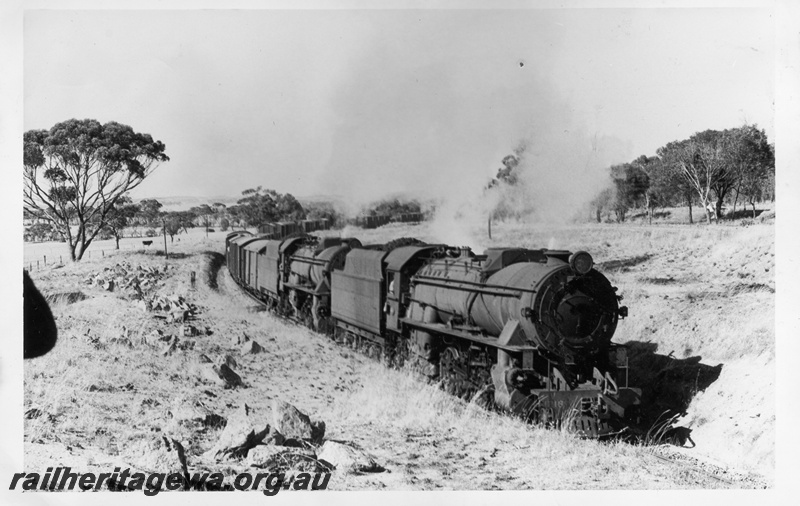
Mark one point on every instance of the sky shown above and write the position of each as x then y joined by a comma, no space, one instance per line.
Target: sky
365,103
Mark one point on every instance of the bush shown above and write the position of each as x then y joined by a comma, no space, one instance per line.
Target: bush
150,232
224,224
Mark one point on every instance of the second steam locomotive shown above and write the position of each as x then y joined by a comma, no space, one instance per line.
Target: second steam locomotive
526,330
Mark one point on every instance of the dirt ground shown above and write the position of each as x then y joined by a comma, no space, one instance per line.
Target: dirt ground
701,328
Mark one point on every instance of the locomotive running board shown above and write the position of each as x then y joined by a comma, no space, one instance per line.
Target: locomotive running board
319,290
492,342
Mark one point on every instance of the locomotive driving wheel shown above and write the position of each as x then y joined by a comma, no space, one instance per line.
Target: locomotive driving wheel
449,371
395,352
305,315
325,326
373,350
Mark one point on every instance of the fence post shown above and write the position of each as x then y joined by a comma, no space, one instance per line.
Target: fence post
37,265
164,228
45,259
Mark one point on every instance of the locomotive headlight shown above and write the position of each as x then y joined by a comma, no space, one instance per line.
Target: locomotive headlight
581,262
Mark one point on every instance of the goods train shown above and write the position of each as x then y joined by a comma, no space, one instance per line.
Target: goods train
380,220
525,330
285,228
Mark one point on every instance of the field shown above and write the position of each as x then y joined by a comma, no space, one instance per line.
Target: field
701,334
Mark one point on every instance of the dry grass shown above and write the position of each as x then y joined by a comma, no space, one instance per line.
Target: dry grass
693,291
433,441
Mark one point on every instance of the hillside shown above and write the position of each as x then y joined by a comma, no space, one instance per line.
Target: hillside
701,315
185,203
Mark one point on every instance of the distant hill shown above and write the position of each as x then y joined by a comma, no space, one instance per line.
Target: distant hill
178,203
183,203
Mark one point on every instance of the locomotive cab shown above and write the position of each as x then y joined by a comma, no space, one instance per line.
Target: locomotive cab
401,264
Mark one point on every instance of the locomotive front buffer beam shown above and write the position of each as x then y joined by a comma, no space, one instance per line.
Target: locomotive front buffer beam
586,409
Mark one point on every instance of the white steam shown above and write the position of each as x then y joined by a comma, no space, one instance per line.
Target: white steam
437,126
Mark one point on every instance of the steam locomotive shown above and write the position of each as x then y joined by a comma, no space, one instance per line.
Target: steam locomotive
526,330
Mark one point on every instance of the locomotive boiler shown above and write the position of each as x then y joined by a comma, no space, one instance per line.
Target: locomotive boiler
533,326
308,272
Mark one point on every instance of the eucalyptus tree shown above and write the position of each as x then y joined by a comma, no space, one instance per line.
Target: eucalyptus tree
120,216
699,160
75,173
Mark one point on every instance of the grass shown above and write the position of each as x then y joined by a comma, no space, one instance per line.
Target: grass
718,307
476,449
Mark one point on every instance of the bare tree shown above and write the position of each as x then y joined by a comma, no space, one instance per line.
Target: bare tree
701,164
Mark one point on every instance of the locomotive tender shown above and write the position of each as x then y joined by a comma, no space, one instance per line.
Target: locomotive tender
527,330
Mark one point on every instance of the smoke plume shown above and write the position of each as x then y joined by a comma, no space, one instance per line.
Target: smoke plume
437,127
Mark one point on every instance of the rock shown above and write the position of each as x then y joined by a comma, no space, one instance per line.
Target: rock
221,375
348,459
251,348
275,438
122,341
188,331
239,340
151,338
281,458
213,420
243,431
229,361
171,347
187,345
163,455
292,423
179,316
210,374
294,443
204,359
231,379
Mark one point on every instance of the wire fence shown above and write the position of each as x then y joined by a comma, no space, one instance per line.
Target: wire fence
35,262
